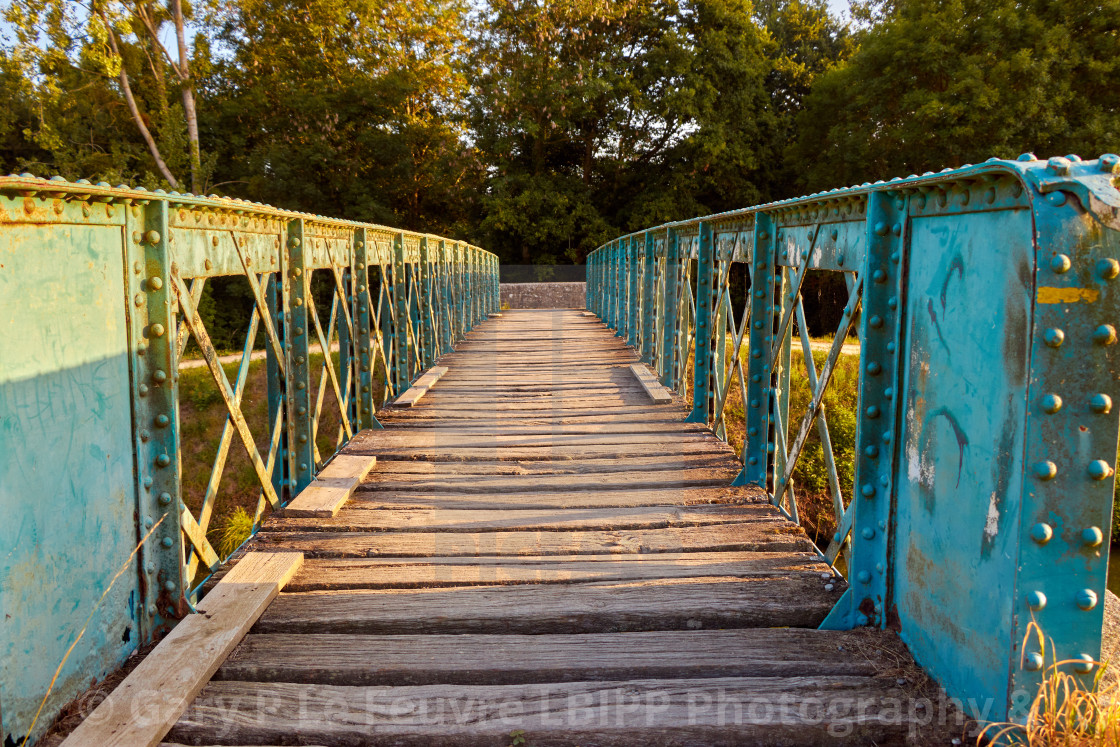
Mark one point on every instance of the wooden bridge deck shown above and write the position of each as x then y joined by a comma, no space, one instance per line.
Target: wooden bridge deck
542,549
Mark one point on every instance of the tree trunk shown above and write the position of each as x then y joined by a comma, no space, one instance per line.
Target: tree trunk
135,110
188,98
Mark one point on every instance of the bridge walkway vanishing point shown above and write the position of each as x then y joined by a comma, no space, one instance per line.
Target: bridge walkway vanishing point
541,549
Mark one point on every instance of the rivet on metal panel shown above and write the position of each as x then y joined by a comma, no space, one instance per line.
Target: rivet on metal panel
1108,269
1086,599
1092,537
863,577
163,460
1042,533
1036,600
1060,263
1054,337
1104,334
1085,664
1051,403
1099,469
1045,470
1033,662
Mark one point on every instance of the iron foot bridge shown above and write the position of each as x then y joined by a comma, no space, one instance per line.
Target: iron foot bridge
482,526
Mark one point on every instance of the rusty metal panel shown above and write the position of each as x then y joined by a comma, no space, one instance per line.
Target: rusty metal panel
960,469
67,496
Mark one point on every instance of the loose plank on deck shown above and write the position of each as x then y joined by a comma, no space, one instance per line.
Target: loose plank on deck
539,534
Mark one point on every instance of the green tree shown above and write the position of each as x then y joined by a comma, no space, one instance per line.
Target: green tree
597,117
116,49
940,83
346,107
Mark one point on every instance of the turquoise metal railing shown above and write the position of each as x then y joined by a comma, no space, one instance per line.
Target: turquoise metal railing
99,295
986,300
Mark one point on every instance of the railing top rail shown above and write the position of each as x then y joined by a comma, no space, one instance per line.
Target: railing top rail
58,188
1093,181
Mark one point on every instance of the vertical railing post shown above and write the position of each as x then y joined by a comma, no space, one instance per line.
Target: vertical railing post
427,307
298,292
595,280
362,402
764,276
154,365
610,286
459,285
719,330
620,286
649,303
446,315
671,308
633,310
702,361
401,379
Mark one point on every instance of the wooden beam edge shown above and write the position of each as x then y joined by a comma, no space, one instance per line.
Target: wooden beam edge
325,497
653,387
426,381
148,703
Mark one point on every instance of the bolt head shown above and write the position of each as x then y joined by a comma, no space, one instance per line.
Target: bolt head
1045,470
1058,165
1086,599
863,577
164,499
874,368
868,533
167,542
868,490
1042,533
881,229
1104,335
1033,662
1084,664
1100,403
156,330
875,321
1051,403
159,376
1054,337
1099,469
155,283
1092,537
1108,268
873,411
1036,600
872,451
879,276
1060,263
163,460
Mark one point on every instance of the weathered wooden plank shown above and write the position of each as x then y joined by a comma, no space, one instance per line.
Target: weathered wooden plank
459,520
713,711
713,477
554,467
332,487
657,604
442,453
381,573
487,659
653,387
420,387
163,685
485,428
773,536
557,500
